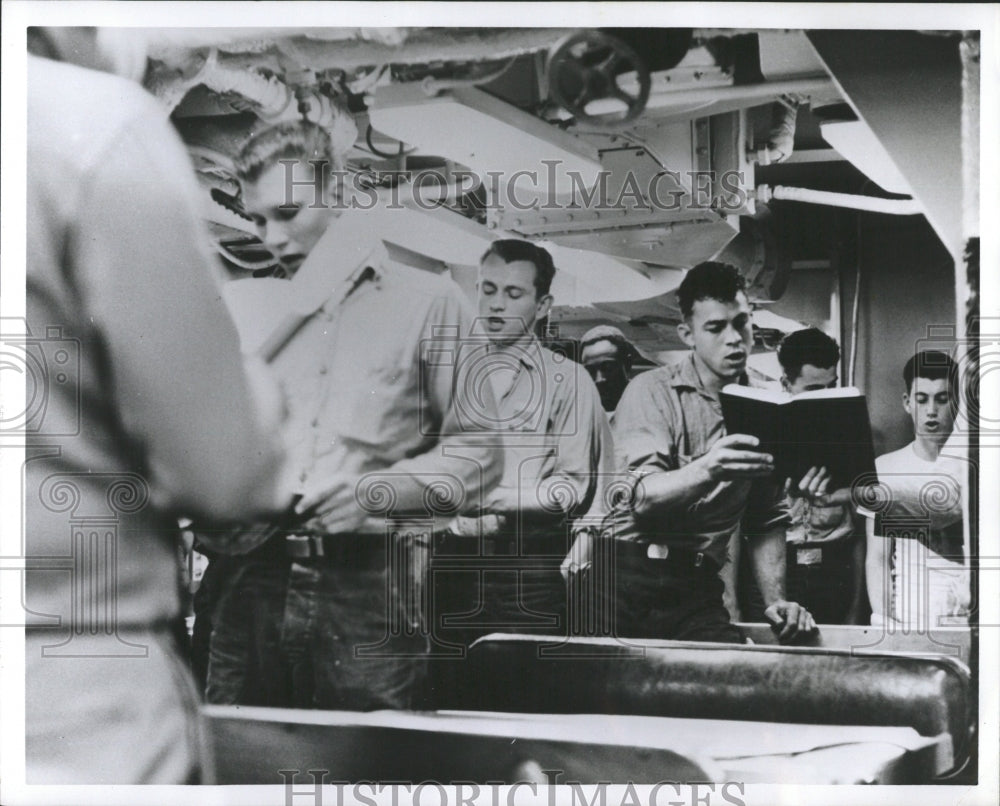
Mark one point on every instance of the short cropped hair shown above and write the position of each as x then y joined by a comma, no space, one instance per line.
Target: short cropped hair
297,139
809,346
933,365
511,250
709,280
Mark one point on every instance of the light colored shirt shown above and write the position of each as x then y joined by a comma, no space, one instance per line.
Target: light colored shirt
921,500
147,410
810,523
921,488
557,443
666,419
377,395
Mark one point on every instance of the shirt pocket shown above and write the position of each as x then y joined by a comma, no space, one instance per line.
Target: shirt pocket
380,409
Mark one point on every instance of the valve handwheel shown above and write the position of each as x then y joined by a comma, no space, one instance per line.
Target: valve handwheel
583,67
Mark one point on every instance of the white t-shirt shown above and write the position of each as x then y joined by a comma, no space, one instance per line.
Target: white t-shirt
921,488
930,583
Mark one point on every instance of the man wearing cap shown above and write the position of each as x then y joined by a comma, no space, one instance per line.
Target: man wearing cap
607,355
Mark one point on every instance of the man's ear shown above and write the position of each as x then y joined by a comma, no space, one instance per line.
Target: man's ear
906,403
684,331
785,383
543,306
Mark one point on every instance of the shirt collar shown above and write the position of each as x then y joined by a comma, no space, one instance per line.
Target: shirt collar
523,350
687,377
329,288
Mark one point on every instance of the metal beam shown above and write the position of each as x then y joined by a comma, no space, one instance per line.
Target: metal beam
907,87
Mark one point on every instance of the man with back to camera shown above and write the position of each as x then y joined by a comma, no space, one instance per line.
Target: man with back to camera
929,580
376,427
162,421
826,555
692,483
607,356
556,444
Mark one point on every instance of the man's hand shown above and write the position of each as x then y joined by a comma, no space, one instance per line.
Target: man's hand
814,485
487,525
502,500
733,457
334,508
580,556
790,620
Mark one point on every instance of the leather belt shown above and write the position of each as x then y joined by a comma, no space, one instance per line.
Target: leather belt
525,546
360,551
657,553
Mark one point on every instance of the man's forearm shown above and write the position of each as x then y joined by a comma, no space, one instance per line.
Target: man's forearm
875,573
659,492
454,476
858,590
767,553
728,575
556,495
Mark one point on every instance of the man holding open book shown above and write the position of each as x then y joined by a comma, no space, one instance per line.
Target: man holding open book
692,484
825,557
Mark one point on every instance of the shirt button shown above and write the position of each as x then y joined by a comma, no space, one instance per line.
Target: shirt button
323,370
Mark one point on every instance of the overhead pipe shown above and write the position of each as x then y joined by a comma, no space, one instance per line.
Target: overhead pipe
745,95
869,203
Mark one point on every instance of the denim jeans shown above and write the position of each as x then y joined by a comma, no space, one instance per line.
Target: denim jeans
661,599
518,591
309,634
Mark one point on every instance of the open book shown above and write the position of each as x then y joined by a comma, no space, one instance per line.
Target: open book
827,428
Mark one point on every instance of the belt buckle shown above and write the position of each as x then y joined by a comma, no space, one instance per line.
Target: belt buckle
809,556
657,551
307,546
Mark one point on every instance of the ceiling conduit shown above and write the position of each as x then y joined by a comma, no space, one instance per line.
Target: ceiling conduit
854,202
